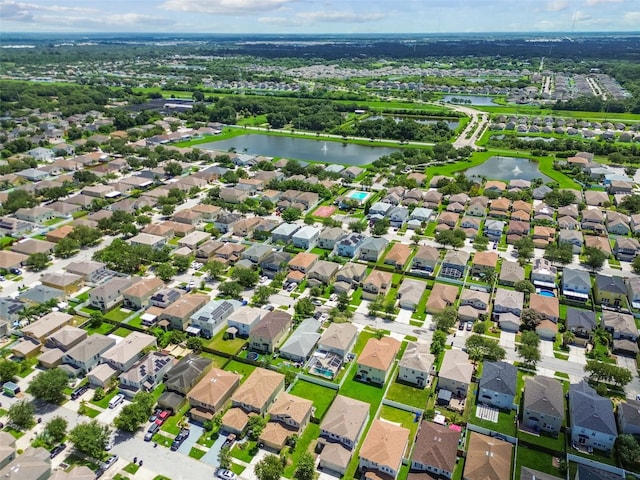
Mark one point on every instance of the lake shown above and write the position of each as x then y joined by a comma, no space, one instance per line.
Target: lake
475,100
507,168
301,149
452,124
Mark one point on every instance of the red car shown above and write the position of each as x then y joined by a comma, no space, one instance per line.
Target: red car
162,417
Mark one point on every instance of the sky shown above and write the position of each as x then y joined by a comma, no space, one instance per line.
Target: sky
319,16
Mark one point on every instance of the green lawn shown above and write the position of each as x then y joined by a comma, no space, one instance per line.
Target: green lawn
103,329
16,433
244,451
243,369
319,395
117,315
74,460
409,395
362,391
91,412
162,440
404,418
227,346
237,468
196,453
535,459
217,360
132,468
363,338
544,440
122,332
309,436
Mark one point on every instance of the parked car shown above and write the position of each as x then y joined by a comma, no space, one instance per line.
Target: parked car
316,302
291,287
78,392
469,326
109,445
15,271
110,461
229,441
333,297
56,450
162,417
226,474
461,325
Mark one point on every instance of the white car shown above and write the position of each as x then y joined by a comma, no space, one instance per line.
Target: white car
226,474
333,297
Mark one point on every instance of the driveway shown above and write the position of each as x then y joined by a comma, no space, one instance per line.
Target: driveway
546,348
628,363
507,340
211,457
195,432
404,316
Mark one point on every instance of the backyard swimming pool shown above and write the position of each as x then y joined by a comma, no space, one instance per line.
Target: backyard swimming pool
546,293
360,196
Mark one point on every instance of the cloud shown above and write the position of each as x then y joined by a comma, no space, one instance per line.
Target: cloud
225,7
580,16
556,5
632,18
594,3
308,18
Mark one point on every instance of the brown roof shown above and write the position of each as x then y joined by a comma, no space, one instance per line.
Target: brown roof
601,243
378,278
486,259
521,205
258,388
548,306
288,405
436,446
441,295
385,444
144,287
235,418
271,324
500,204
495,184
304,260
379,353
10,259
487,458
214,386
186,305
399,254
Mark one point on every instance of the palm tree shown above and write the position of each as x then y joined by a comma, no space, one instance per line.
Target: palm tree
568,337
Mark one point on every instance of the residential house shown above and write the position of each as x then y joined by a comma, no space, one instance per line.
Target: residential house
420,215
488,458
46,325
593,220
284,232
179,313
206,251
494,228
322,273
601,243
124,354
507,302
342,427
629,417
306,237
398,255
441,297
435,450
41,294
543,236
211,318
9,259
267,333
194,239
352,274
447,220
470,226
372,248
300,344
377,283
258,391
477,209
426,258
275,262
499,207
484,264
383,449
233,194
573,238
581,323
497,386
380,209
376,359
303,262
618,223
410,292
229,253
188,216
543,405
349,245
211,393
417,365
146,374
225,220
633,291
455,373
90,271
544,273
289,415
139,294
495,186
256,252
432,199
30,246
244,319
246,226
610,290
592,421
328,238
338,338
454,264
164,297
568,223
626,248
398,216
591,472
510,273
473,305
87,354
185,374
576,284
623,328
516,230
110,294
35,214
66,338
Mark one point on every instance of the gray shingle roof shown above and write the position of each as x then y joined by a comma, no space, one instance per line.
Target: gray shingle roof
590,410
544,395
499,377
580,319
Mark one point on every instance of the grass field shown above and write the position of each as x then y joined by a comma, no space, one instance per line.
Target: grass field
232,346
240,368
403,393
536,460
319,395
362,391
305,442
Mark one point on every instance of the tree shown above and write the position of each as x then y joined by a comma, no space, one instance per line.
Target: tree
66,247
167,209
246,277
343,302
56,429
454,238
568,338
95,319
130,417
256,426
291,214
481,243
172,169
524,286
358,226
609,373
215,269
49,385
230,289
530,318
304,307
381,227
98,394
37,261
446,319
195,344
530,355
636,265
85,235
181,263
628,449
21,414
224,457
90,438
438,342
269,468
482,348
595,258
8,370
306,467
165,272
524,247
261,294
529,337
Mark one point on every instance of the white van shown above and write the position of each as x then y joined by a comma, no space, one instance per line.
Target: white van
115,401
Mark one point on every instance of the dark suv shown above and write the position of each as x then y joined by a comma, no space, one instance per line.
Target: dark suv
78,392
